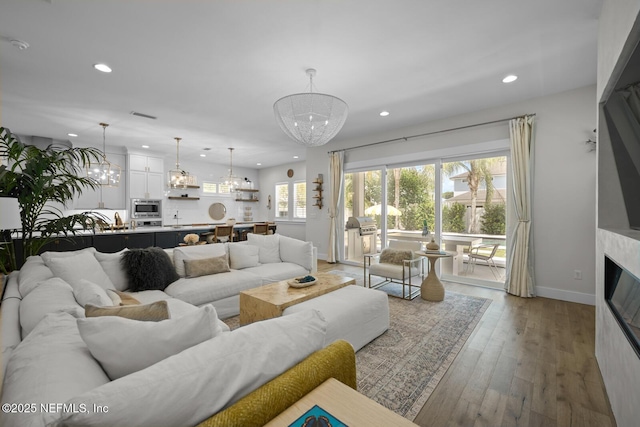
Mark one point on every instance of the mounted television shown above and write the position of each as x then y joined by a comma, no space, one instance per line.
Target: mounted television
622,114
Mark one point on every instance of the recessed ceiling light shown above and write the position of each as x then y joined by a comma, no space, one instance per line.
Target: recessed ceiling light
203,155
72,134
145,146
510,78
296,157
102,67
258,164
384,113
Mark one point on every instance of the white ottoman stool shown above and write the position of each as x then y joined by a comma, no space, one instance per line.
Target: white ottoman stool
353,313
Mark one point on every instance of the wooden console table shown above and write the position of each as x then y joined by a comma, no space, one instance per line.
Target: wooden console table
269,301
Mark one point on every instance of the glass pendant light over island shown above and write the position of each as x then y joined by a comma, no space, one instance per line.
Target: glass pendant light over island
178,178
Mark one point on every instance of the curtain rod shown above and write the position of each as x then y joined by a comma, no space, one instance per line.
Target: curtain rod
406,138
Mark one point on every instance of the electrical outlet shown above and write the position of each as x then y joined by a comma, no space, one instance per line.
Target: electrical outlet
577,274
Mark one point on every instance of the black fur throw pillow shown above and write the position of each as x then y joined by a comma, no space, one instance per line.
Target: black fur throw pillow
148,269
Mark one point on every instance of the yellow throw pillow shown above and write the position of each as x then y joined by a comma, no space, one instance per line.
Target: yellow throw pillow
121,298
206,266
153,312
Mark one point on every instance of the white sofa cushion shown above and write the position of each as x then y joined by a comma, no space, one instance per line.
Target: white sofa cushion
80,265
123,346
296,251
205,289
195,252
270,273
33,271
269,246
87,292
51,365
189,387
51,296
111,265
243,256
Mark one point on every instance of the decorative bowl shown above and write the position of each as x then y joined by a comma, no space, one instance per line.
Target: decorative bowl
231,221
295,284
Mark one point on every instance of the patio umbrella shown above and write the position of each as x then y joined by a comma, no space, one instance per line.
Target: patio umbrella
377,209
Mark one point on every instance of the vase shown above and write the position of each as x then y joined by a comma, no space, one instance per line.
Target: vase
432,245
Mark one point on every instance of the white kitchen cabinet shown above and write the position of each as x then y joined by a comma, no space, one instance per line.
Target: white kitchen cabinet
146,177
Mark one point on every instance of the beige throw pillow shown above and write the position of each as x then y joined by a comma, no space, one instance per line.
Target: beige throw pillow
121,298
153,312
395,256
206,266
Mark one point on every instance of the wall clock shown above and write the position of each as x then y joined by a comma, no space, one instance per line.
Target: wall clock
290,173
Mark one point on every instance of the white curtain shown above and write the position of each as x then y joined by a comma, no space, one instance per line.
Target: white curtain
336,163
519,280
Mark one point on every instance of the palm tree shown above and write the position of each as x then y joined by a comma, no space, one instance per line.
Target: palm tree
37,178
478,172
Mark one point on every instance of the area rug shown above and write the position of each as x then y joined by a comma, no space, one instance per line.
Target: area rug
401,368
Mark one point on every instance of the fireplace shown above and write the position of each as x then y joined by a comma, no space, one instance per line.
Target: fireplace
622,294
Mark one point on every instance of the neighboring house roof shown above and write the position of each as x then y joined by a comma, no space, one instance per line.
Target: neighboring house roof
499,168
499,196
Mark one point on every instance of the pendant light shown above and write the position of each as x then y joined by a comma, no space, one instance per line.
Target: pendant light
231,180
178,178
105,173
311,118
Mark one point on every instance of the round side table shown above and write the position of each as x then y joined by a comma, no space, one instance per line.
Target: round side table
432,288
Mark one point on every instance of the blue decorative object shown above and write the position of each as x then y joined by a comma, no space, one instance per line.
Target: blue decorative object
317,417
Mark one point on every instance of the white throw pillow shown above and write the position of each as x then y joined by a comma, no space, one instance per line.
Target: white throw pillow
51,365
33,272
187,388
87,292
111,265
50,296
269,247
82,265
195,252
243,256
297,252
123,346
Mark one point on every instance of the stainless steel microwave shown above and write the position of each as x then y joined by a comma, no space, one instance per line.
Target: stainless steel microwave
146,208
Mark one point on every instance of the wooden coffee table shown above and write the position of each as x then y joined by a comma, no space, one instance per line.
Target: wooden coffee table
345,404
269,301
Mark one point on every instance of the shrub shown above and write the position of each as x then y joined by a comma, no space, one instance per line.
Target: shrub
493,219
453,218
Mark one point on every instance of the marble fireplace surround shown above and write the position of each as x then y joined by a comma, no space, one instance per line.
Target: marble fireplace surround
618,361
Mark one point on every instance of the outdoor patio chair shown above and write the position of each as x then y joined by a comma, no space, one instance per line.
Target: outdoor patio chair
397,264
475,255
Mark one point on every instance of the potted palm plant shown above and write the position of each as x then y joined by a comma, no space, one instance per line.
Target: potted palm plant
43,181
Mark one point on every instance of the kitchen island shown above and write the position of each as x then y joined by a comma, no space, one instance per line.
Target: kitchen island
142,237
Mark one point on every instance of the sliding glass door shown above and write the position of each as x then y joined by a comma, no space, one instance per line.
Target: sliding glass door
460,202
363,191
474,201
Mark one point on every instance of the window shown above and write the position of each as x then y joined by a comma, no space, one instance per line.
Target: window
282,200
300,199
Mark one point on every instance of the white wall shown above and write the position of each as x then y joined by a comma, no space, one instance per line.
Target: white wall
620,366
564,193
269,177
197,211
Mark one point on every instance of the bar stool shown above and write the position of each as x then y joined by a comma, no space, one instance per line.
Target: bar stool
262,228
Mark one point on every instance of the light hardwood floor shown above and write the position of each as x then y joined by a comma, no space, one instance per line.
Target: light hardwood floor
529,362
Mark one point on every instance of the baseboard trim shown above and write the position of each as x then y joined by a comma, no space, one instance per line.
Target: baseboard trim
579,297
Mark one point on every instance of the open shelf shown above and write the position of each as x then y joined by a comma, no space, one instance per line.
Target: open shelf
183,198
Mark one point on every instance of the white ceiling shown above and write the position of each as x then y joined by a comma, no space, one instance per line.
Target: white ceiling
211,70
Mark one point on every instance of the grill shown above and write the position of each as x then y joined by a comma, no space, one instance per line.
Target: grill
364,224
362,237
